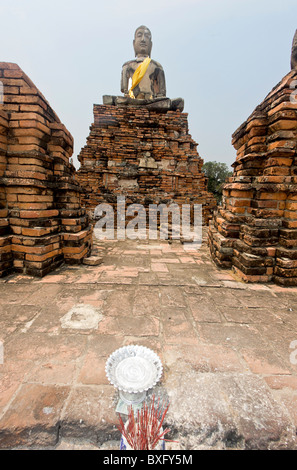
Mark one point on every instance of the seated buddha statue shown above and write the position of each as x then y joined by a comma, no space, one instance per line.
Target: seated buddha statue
149,81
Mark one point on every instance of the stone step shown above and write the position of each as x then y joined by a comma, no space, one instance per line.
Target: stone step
93,260
207,411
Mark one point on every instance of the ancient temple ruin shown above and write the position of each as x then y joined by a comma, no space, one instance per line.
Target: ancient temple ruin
42,222
255,229
139,144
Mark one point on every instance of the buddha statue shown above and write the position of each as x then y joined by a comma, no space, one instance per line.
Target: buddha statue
294,53
143,79
152,83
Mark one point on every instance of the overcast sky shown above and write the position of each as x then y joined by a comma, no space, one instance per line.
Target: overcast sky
222,56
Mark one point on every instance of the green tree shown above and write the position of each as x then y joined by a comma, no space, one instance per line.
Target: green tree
216,174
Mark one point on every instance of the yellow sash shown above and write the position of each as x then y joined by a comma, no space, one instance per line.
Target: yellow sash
139,74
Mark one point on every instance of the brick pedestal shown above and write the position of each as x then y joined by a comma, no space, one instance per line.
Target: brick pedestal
255,229
146,156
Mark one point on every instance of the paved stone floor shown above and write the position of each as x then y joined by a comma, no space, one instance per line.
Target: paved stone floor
229,350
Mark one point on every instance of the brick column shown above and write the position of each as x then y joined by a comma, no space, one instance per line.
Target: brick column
38,180
255,229
5,239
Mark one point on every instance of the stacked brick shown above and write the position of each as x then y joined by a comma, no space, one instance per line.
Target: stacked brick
41,220
255,229
147,156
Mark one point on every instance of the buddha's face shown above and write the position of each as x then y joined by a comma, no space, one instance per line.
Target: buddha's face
142,42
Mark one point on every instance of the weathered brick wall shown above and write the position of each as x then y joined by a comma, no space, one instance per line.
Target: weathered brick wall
147,156
41,219
255,229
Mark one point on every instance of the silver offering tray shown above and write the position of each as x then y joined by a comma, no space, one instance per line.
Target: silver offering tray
133,370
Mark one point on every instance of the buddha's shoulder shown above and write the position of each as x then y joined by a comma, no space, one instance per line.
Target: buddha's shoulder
157,64
134,63
129,63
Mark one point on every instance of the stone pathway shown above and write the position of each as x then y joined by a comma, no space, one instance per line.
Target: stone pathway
229,350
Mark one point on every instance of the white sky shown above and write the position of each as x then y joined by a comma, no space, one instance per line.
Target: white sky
222,56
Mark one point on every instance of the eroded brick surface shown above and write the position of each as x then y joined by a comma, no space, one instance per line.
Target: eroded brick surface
146,156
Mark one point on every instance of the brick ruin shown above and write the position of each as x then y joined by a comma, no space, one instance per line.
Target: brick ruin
141,149
42,222
255,229
144,154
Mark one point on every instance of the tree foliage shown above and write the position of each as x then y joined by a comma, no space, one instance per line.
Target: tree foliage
216,174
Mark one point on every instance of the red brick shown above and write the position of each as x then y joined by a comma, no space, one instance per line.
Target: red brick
38,214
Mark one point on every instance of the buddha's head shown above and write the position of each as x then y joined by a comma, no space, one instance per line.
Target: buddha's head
142,42
294,53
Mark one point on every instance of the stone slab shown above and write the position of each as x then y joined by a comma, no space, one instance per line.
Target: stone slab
229,354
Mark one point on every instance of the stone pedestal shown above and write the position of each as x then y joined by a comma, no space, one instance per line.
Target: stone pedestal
145,154
255,229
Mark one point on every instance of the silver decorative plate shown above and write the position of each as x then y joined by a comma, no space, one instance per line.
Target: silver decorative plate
133,370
